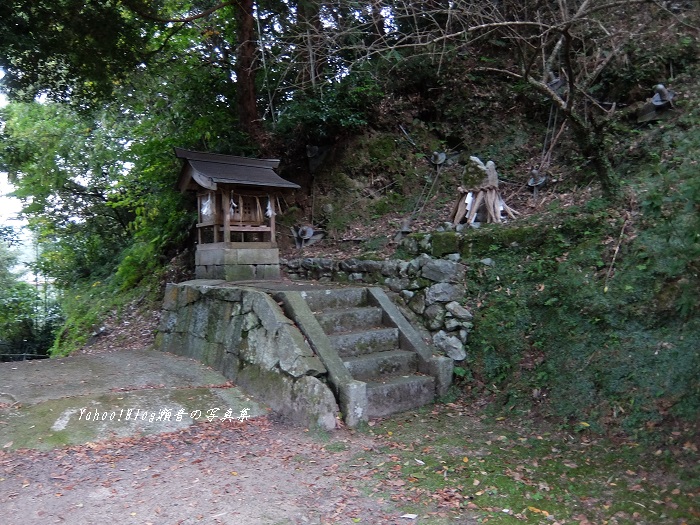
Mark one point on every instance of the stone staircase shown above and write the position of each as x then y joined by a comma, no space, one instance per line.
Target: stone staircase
308,350
372,349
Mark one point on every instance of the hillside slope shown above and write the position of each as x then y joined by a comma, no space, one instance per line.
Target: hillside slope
589,311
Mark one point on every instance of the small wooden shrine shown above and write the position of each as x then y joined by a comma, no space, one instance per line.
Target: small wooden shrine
237,199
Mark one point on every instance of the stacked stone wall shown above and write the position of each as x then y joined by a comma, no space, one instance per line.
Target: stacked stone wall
243,333
431,284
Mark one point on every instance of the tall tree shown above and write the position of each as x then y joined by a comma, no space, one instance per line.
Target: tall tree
245,67
78,51
311,38
68,49
560,50
65,166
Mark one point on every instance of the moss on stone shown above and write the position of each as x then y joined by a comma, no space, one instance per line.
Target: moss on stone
444,243
477,242
341,277
471,179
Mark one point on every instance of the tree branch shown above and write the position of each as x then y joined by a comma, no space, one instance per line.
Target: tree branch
135,9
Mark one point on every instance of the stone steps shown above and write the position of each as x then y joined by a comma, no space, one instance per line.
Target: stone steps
399,394
370,367
349,319
371,351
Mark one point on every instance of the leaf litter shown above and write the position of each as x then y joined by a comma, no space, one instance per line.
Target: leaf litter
520,471
257,471
448,463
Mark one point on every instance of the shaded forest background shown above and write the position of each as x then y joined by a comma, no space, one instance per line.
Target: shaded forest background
591,316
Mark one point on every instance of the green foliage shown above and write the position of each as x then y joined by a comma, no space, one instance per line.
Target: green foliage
391,202
68,192
17,303
86,306
671,207
68,49
27,321
647,63
74,253
338,220
336,109
140,265
99,185
596,310
410,74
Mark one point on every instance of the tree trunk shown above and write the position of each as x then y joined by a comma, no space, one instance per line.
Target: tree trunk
310,29
245,73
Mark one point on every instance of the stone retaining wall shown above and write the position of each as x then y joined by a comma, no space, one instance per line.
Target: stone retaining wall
431,286
243,333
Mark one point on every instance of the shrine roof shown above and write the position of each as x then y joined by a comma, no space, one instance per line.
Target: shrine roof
207,170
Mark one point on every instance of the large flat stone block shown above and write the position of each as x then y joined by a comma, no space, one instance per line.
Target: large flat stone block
399,394
253,256
350,319
319,300
353,402
268,272
224,256
206,272
238,272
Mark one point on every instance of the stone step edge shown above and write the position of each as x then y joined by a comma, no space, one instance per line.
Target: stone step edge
386,337
380,393
345,309
407,364
327,316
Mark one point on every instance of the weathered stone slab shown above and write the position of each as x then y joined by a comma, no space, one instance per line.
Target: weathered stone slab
243,333
355,318
443,292
450,344
238,272
324,299
399,394
267,272
441,271
252,256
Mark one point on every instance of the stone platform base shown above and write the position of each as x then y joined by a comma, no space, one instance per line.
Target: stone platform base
218,261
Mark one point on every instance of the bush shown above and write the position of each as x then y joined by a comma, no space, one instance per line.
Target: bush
335,109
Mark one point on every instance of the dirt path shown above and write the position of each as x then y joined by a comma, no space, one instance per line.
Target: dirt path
250,472
254,472
58,467
93,398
